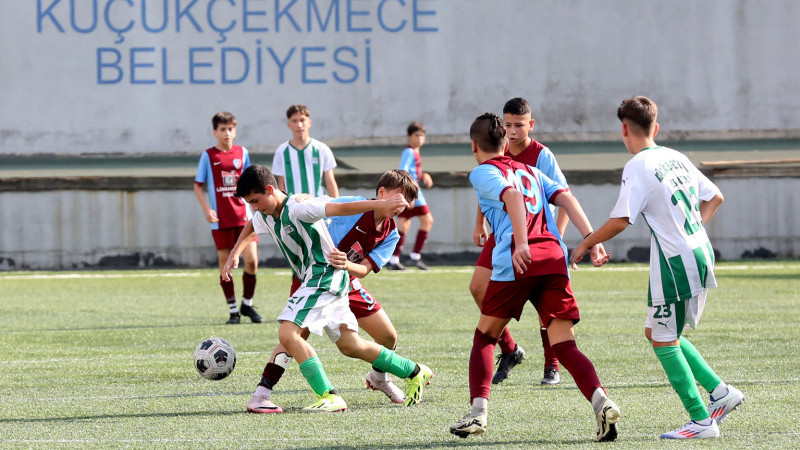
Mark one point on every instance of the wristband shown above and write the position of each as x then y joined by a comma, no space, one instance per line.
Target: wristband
588,234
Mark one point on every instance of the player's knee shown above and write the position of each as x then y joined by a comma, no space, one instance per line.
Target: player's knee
389,340
477,291
348,348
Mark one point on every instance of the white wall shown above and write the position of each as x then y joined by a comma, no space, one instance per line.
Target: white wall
141,76
74,229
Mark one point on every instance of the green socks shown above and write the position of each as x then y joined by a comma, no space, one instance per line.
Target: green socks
389,361
315,375
681,378
700,369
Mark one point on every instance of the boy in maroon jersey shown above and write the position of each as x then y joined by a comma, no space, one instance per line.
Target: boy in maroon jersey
219,168
364,243
529,264
521,147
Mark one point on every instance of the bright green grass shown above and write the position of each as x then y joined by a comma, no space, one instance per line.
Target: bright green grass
104,359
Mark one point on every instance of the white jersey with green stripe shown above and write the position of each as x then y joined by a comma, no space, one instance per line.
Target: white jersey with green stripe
303,168
304,240
665,187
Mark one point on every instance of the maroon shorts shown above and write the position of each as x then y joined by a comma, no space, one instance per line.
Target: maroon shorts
485,259
225,238
362,303
414,212
551,295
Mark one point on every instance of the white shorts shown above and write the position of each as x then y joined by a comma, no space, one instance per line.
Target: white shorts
667,322
319,311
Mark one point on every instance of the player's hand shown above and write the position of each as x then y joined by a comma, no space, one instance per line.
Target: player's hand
577,255
479,235
393,205
230,264
211,216
427,181
338,259
300,198
599,255
521,258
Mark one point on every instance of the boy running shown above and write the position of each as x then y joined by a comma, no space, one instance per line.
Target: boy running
321,303
411,162
219,168
676,200
364,244
521,147
529,262
303,164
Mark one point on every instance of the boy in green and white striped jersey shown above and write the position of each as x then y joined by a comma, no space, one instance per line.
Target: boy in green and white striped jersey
321,304
675,200
304,164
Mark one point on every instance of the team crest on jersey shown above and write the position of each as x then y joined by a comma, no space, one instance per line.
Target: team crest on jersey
288,229
237,163
314,160
356,253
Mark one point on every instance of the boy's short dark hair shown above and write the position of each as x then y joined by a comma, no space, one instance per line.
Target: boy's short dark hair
639,110
488,132
415,126
223,117
254,180
394,179
517,106
295,109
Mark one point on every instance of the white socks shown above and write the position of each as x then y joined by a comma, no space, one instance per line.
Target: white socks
598,398
480,406
261,390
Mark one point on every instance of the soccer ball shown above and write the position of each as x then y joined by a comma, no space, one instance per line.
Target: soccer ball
214,358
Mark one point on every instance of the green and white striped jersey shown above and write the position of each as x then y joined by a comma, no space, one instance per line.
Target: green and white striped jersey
665,187
303,168
304,240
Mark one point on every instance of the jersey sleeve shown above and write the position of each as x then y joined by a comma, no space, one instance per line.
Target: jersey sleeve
707,187
245,158
380,255
310,211
550,187
259,225
632,195
489,182
328,160
408,163
203,169
277,162
548,165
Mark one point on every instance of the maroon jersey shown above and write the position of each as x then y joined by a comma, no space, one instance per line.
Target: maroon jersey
220,171
357,236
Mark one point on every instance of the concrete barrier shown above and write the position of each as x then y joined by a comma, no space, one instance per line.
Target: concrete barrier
69,223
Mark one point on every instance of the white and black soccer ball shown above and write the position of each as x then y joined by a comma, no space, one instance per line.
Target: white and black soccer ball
214,358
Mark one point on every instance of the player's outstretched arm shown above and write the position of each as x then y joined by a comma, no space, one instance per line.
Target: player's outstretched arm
389,207
562,221
609,229
709,208
516,212
248,235
480,233
570,204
